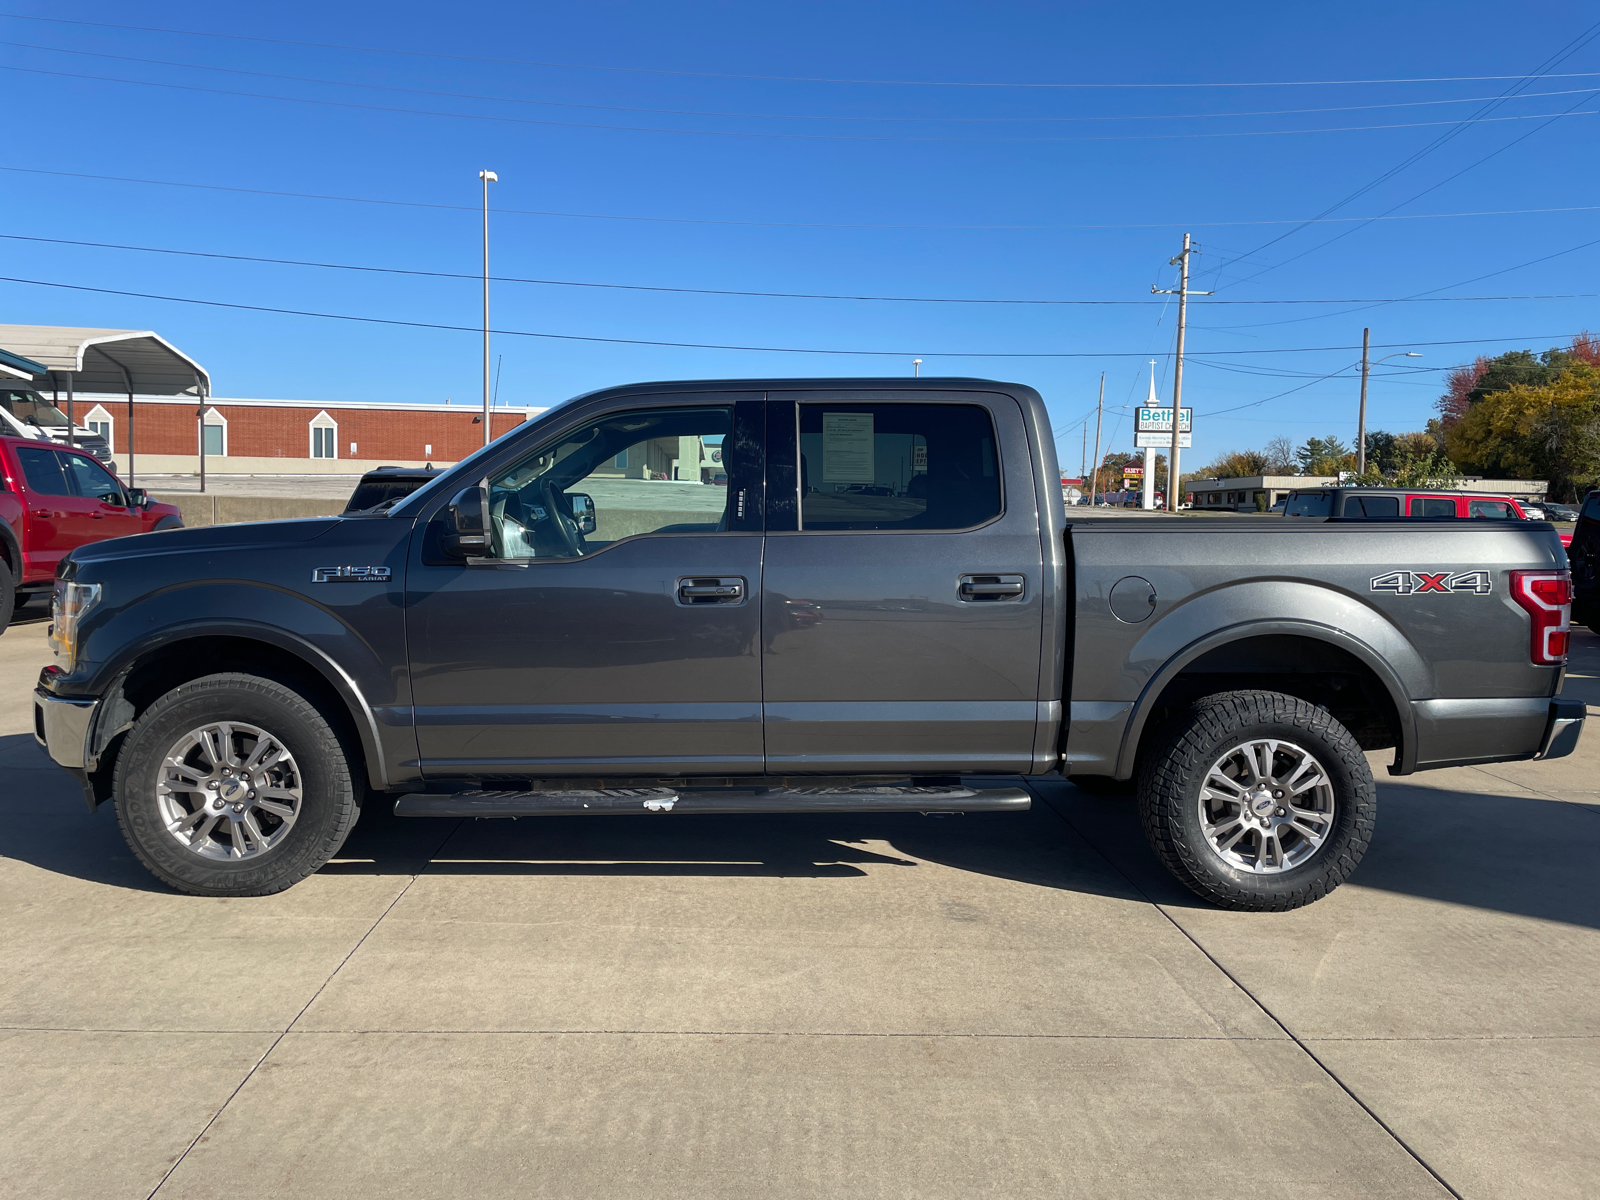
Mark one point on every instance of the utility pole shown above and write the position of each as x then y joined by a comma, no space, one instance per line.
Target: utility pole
488,177
1083,462
1182,292
1147,490
1100,412
1361,421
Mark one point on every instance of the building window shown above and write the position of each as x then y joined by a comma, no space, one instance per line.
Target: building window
216,434
324,436
621,461
99,421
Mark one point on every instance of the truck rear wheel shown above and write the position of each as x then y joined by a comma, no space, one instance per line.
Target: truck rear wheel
1258,801
233,785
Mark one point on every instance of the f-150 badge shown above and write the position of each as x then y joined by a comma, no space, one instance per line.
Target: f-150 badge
1414,583
350,575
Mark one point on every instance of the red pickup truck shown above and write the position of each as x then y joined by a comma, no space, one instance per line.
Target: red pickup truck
54,499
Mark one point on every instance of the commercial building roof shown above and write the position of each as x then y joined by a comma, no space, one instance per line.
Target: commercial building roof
105,360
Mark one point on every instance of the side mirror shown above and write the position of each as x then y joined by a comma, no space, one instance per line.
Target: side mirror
465,533
583,512
138,498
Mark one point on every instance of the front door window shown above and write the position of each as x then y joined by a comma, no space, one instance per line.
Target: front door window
629,474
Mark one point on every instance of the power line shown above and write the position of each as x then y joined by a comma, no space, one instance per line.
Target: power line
532,212
573,337
690,112
1425,297
239,37
640,287
1410,199
745,133
1571,47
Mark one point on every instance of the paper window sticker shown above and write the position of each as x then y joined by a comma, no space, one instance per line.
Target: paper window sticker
847,448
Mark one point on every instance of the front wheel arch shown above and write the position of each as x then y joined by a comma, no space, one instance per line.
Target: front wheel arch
168,661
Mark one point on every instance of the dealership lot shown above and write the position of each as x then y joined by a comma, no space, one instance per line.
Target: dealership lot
997,1004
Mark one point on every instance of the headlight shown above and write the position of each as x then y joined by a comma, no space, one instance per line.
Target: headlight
68,604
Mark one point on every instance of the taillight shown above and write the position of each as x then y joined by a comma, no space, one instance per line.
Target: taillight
1547,597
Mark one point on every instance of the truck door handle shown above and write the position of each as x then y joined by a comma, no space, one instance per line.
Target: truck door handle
990,588
698,590
98,516
41,512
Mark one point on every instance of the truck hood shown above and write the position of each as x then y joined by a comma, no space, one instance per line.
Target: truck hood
264,534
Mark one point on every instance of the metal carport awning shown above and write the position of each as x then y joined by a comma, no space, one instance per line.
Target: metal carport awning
108,360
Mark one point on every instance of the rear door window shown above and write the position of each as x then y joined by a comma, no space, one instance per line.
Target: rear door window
897,466
1432,506
1372,506
1310,504
1493,510
42,469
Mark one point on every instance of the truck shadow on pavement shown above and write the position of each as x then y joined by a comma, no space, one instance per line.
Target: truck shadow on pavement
1520,855
1514,854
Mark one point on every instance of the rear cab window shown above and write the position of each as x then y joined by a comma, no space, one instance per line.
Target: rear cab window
1310,504
880,467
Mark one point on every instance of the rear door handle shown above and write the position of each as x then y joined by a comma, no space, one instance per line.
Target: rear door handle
990,588
698,590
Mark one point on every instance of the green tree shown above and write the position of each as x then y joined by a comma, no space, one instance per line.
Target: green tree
1549,431
1324,456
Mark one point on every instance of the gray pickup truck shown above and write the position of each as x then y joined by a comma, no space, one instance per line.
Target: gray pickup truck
792,596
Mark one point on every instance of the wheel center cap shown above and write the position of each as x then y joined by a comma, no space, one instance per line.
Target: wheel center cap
1261,804
232,789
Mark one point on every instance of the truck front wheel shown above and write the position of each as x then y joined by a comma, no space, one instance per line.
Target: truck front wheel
1258,801
233,785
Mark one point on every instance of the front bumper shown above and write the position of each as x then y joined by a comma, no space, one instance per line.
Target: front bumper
62,727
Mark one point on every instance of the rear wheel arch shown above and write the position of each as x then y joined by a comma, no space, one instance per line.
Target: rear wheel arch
1264,655
153,670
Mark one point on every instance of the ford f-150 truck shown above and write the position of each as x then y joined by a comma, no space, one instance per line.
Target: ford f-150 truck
884,605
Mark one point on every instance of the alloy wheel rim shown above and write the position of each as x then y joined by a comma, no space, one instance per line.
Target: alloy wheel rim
229,791
1266,806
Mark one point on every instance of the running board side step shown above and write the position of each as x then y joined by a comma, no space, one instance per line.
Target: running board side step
714,800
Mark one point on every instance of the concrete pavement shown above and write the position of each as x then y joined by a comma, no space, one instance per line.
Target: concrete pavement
1010,1005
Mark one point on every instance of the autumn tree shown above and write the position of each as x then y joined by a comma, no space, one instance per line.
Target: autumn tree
1549,430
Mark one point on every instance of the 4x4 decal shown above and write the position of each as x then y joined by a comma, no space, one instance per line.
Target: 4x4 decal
1407,583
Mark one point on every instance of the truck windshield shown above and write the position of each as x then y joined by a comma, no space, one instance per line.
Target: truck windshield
1309,504
31,408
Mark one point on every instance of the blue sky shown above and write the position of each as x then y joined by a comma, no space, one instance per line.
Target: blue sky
819,148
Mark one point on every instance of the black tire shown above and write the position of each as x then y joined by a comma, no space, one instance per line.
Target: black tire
168,522
328,804
1585,613
1171,779
8,595
1104,785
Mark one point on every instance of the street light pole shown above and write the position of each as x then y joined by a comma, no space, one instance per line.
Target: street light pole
916,368
488,177
1361,419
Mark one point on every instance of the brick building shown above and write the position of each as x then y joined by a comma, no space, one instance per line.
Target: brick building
351,434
